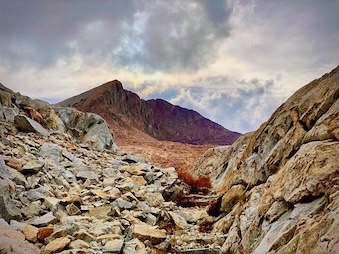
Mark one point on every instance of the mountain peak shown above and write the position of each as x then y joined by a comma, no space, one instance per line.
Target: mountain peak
157,118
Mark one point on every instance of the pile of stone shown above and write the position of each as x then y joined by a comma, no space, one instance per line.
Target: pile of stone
65,188
59,196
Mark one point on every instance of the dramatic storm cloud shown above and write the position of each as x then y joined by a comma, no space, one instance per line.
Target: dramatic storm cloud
234,61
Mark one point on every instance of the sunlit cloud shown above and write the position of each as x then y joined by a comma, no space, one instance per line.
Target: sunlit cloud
233,61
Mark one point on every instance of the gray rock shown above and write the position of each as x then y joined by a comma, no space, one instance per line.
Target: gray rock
4,172
129,158
87,175
134,246
122,204
8,208
32,167
8,114
113,245
71,157
112,172
35,194
27,124
44,220
51,151
32,209
100,136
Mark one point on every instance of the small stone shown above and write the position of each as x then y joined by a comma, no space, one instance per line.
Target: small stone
114,193
57,245
51,203
113,245
139,180
79,244
138,170
31,233
44,232
87,175
146,232
44,220
101,194
32,167
100,211
106,237
179,221
84,235
72,209
51,151
134,246
14,163
32,209
151,219
104,227
154,199
122,204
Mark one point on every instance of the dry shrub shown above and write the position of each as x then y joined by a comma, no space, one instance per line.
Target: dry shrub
187,200
196,184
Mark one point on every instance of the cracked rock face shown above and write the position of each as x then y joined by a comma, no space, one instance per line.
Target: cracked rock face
288,170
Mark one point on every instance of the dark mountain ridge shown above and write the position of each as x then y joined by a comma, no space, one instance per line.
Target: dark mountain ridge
157,118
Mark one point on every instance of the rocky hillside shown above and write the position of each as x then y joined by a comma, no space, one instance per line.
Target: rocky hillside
125,111
64,188
279,186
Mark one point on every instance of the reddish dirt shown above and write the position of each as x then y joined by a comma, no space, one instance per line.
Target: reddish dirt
162,153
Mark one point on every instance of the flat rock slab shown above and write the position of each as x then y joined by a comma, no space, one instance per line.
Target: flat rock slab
146,232
27,124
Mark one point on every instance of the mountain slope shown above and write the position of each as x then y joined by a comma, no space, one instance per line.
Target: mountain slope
126,112
279,185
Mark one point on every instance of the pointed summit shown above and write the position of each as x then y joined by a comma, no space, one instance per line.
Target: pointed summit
157,118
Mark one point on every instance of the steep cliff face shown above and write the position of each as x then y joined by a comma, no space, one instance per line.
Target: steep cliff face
279,186
158,118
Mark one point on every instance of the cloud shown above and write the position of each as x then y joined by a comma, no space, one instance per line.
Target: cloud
175,36
240,105
38,33
143,35
234,61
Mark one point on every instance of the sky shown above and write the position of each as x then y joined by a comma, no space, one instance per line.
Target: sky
233,61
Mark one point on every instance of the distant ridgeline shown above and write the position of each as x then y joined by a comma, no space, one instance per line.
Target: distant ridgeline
158,118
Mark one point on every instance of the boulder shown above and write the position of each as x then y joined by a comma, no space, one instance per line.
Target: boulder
27,124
